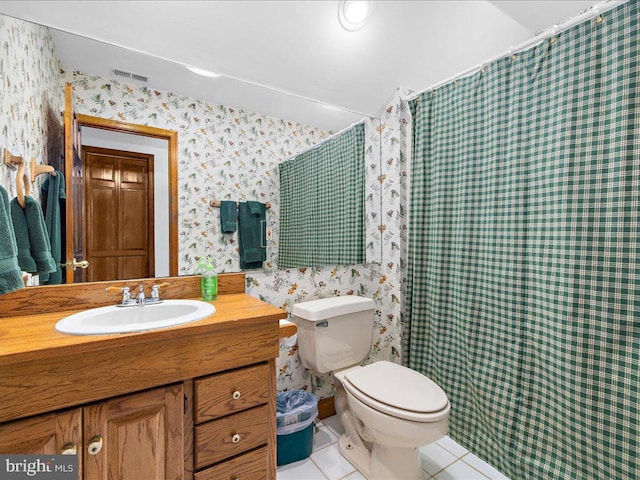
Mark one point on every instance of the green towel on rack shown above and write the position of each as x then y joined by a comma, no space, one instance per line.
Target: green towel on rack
38,237
252,234
53,197
228,216
10,274
21,231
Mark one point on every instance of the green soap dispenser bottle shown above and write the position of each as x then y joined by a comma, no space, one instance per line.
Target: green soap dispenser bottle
209,284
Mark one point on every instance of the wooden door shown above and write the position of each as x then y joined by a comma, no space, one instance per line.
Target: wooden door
74,248
141,434
119,230
48,434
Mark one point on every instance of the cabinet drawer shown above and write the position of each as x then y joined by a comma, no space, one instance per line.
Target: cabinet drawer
248,466
231,392
229,436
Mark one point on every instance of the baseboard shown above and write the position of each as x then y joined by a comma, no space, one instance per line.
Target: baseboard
326,408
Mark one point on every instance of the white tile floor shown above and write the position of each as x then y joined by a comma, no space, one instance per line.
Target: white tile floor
442,460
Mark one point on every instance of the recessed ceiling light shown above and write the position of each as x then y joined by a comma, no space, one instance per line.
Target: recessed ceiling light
353,14
202,71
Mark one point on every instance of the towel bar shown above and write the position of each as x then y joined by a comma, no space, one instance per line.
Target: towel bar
216,204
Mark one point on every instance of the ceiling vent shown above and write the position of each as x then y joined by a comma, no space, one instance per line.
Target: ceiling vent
130,75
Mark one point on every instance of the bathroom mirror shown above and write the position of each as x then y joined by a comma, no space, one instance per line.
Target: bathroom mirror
214,161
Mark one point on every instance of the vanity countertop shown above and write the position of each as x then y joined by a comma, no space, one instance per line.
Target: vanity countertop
27,337
43,370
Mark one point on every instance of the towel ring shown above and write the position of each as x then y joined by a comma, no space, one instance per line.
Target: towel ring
23,185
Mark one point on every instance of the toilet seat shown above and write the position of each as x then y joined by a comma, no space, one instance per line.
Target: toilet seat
397,391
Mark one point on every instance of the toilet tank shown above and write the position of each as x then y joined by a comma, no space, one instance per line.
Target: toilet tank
334,332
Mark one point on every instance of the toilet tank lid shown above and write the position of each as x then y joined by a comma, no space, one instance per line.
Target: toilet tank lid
324,308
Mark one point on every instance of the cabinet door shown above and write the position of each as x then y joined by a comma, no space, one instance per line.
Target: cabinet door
138,436
52,433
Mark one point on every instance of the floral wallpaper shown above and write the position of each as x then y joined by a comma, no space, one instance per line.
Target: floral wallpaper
226,153
381,279
223,154
31,97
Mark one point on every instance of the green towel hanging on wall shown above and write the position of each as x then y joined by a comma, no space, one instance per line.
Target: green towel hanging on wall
36,233
228,216
19,221
10,274
252,234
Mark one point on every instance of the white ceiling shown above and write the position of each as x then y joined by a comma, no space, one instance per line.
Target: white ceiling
289,59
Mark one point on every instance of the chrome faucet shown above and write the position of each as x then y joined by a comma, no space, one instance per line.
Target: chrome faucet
141,298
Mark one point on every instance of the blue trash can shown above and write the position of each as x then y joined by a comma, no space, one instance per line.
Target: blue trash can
295,412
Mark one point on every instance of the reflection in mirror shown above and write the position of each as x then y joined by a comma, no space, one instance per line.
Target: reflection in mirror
223,153
128,196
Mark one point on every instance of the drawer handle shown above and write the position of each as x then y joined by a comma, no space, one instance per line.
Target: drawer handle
235,438
95,445
69,448
236,395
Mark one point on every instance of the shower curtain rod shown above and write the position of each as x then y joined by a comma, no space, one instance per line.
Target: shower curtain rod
333,135
588,14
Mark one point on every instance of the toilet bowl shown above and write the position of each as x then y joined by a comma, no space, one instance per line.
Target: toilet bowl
394,410
387,410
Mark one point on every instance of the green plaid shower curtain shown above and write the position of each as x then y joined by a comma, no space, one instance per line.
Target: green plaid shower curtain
322,204
523,297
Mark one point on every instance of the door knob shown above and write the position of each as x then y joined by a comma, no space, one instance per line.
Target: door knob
73,264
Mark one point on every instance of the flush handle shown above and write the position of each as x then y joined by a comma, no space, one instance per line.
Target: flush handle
324,323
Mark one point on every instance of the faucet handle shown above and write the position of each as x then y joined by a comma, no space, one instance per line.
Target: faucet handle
126,294
155,290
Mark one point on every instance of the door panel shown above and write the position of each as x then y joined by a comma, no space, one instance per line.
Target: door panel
142,436
119,212
44,434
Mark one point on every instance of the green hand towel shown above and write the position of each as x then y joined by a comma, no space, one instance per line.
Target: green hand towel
38,237
25,260
252,234
228,216
10,274
53,196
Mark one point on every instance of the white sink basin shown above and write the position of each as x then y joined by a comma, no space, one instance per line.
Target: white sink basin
113,319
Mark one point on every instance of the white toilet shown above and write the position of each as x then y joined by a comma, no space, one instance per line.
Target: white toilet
387,410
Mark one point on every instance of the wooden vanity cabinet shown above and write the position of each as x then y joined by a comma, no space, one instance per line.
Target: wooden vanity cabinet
49,434
234,415
137,436
195,401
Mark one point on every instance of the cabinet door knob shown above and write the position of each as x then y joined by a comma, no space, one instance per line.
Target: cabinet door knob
235,438
69,448
236,395
95,445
